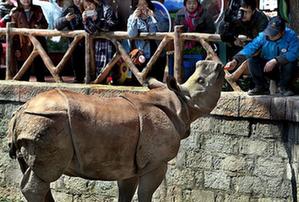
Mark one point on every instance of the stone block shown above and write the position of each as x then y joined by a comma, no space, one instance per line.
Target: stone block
292,133
255,107
112,91
202,196
248,185
256,147
183,178
271,167
278,108
62,196
266,131
295,153
26,92
227,105
221,144
236,198
8,93
292,109
201,125
193,142
216,180
274,200
233,164
280,150
235,127
199,160
277,187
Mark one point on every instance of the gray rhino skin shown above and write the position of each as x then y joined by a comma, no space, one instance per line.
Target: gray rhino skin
129,138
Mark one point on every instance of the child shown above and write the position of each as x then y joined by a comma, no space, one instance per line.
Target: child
98,16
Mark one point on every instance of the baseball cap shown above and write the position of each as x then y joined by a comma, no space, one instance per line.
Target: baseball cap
275,25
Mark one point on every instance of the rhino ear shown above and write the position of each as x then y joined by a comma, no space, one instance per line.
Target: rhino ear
172,84
152,83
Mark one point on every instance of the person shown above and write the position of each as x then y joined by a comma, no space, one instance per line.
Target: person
5,8
143,20
27,15
249,22
97,17
71,19
279,49
194,18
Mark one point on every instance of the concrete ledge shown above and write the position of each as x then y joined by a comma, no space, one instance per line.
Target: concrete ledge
262,107
231,104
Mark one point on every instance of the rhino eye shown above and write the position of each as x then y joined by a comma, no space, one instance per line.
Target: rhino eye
201,80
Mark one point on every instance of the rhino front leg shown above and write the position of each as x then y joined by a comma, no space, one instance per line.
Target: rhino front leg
35,189
149,182
127,189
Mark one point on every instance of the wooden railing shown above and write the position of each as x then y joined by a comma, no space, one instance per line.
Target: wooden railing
164,37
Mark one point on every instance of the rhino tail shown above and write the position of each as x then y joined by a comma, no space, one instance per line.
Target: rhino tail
11,134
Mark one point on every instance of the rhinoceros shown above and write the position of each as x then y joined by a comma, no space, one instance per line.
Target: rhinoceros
128,138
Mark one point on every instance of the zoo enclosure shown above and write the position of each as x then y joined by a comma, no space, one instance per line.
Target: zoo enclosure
178,37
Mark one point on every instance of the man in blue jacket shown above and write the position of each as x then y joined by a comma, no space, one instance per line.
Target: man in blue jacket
279,49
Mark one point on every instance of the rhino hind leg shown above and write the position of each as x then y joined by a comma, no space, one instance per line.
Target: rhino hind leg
126,189
149,182
34,188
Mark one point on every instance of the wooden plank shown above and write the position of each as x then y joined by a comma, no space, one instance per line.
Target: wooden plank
47,61
178,50
10,64
154,58
87,59
128,61
25,67
67,55
107,69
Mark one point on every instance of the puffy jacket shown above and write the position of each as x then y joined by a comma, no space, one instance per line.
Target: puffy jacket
285,49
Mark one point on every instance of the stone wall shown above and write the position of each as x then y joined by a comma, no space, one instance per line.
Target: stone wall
245,151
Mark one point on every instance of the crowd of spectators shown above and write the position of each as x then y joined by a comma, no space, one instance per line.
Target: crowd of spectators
271,53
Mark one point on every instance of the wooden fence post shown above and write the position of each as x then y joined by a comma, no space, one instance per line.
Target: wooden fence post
10,64
87,59
178,48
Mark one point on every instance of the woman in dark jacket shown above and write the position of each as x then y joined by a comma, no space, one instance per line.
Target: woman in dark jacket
71,19
27,15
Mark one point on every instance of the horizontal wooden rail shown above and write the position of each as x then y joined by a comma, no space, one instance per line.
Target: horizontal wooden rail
78,35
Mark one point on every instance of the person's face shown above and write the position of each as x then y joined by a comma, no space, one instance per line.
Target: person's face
89,6
76,3
25,3
248,12
275,37
143,7
191,5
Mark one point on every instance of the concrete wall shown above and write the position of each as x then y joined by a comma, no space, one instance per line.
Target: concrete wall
245,151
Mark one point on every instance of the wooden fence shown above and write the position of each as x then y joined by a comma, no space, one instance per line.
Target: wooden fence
115,37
